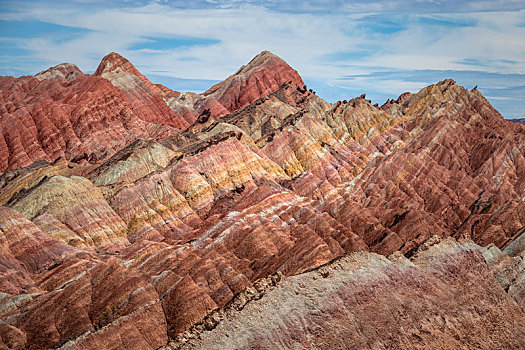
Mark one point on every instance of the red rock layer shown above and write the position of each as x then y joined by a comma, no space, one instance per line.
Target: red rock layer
26,251
64,113
145,97
281,186
264,74
53,294
114,62
445,297
444,162
91,305
86,119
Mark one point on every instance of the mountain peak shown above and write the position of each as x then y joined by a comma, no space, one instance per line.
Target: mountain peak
118,66
263,56
151,218
113,61
263,59
140,90
66,71
264,74
518,120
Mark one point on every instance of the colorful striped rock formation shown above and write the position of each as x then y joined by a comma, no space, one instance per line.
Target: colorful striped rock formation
443,297
256,215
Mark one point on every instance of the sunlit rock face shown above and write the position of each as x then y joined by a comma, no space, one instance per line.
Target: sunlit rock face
145,97
134,216
263,75
62,112
62,71
83,120
443,297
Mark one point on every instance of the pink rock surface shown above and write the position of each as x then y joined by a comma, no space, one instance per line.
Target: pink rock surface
104,305
26,251
140,230
145,97
444,297
86,119
263,75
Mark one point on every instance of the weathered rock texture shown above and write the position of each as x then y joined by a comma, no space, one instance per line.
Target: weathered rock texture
133,213
444,297
518,120
264,74
62,112
83,119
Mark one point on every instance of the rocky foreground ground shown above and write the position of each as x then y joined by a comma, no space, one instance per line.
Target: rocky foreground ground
256,215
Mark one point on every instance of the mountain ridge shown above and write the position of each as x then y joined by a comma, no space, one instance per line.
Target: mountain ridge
152,111
132,214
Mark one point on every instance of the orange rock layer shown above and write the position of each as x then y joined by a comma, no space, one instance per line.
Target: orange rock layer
144,210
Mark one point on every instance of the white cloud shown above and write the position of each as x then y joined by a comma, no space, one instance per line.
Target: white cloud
483,41
242,32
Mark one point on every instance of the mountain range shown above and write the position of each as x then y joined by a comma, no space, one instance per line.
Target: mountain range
256,215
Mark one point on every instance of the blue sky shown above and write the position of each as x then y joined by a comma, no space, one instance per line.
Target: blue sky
341,48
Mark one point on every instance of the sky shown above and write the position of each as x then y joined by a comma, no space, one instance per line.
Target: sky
341,48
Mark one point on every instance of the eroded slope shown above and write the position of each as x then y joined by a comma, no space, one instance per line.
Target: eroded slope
281,186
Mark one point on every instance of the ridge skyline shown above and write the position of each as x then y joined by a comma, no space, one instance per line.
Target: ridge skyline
379,47
133,216
215,82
